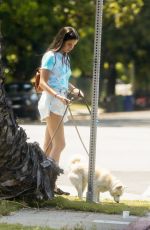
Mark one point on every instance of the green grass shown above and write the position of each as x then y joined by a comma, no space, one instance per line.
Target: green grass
21,227
6,207
137,208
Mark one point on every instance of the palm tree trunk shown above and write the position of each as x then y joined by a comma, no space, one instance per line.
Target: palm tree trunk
24,168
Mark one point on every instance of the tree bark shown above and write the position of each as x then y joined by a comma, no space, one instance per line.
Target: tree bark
111,80
24,168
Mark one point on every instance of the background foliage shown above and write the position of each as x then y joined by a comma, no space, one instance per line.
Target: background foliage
30,25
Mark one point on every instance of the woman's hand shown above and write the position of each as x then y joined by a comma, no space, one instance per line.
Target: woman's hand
64,100
77,92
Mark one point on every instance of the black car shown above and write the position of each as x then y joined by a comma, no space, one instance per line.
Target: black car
23,99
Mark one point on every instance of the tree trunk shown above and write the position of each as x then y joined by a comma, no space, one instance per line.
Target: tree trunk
24,168
111,80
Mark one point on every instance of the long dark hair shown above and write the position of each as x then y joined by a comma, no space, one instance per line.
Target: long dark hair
66,33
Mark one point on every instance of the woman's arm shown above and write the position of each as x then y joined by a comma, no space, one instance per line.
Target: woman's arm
44,76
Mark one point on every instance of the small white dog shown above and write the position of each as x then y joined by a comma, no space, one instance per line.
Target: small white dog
104,181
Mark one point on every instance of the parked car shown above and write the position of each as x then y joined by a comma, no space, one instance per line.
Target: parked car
142,100
23,99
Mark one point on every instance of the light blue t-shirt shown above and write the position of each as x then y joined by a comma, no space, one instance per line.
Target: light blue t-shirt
60,70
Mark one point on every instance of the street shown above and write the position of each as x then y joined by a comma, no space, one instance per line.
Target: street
122,147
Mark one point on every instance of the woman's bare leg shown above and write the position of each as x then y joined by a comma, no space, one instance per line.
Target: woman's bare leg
58,139
47,142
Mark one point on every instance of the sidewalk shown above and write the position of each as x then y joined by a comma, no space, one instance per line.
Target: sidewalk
68,219
114,119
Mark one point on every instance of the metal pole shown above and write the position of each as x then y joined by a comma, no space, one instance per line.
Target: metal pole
95,96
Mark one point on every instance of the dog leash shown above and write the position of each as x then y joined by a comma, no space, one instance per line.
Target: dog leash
72,98
67,106
85,102
78,132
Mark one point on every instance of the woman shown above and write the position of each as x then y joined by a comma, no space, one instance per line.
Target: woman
54,80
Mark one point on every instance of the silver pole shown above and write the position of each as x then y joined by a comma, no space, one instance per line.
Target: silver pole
95,96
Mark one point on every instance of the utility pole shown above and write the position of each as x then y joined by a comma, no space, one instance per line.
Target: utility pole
95,96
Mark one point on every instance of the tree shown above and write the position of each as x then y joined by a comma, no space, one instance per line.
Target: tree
118,40
24,167
128,43
34,23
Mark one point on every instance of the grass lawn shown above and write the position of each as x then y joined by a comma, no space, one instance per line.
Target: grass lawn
21,227
137,208
6,206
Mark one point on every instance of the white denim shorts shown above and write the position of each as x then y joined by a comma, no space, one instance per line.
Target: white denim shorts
49,103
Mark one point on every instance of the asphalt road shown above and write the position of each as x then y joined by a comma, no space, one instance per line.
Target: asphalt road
122,146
